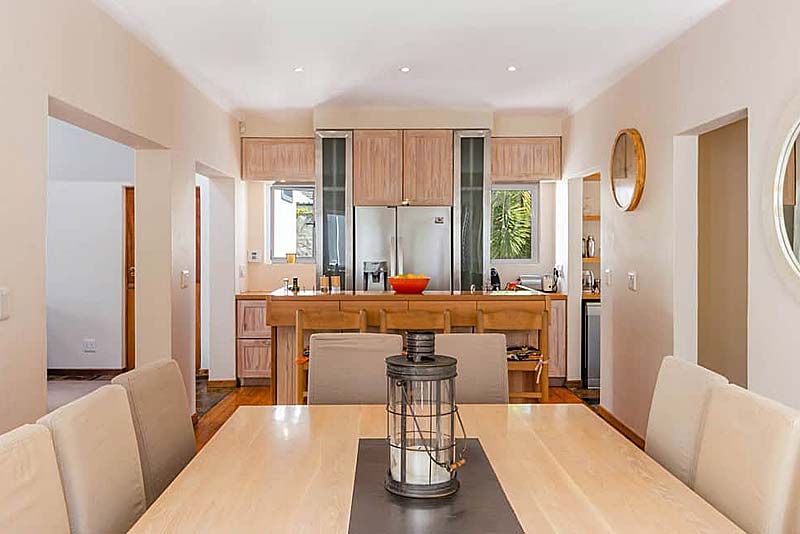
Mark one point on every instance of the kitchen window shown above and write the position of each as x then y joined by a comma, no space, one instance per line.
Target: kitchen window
514,223
292,228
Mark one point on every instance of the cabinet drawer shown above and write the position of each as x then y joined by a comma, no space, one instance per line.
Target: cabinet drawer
461,313
282,313
374,308
253,358
251,319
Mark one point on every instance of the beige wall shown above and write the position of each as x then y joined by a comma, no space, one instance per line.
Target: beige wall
743,56
75,53
722,251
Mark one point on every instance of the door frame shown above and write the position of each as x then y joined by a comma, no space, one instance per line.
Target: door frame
129,277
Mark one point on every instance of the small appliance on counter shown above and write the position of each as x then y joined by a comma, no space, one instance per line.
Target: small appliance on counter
494,280
546,283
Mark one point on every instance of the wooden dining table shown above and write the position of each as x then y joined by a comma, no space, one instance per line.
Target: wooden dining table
292,469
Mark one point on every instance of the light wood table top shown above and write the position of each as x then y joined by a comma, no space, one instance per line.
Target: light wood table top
291,469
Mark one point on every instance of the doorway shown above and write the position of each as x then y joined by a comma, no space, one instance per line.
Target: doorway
723,251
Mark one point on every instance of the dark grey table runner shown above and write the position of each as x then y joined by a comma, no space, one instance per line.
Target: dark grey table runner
479,506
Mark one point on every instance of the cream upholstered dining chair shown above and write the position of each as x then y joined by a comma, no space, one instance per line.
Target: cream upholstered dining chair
747,463
162,421
676,415
98,459
31,497
350,368
482,367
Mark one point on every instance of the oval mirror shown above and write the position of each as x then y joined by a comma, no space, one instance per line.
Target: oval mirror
788,212
628,169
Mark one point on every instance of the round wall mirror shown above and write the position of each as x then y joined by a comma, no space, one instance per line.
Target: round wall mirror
628,169
788,212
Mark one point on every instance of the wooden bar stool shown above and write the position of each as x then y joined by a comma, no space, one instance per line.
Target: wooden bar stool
415,320
535,318
330,321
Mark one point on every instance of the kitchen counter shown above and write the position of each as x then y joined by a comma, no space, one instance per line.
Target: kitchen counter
282,306
283,295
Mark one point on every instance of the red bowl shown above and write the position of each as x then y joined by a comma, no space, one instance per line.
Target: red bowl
409,286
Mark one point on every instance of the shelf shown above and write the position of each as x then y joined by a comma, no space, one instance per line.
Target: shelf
591,217
590,296
596,259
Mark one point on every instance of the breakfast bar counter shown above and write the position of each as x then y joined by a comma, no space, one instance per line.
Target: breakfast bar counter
282,306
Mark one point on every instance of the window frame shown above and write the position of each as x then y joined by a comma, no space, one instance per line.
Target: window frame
535,230
270,219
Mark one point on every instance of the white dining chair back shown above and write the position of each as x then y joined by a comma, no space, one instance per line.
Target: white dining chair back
350,368
482,366
676,417
31,497
98,459
747,462
162,421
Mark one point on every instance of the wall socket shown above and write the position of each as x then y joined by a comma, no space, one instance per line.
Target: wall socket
89,345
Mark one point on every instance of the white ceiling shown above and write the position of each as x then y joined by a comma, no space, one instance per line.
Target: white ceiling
242,53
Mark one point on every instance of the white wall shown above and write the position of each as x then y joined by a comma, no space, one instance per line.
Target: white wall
743,56
85,281
85,247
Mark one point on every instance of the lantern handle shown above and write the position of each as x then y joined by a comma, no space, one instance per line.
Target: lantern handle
449,467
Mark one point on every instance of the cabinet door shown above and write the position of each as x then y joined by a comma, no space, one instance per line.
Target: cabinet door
251,319
428,167
557,339
253,357
526,159
377,167
278,159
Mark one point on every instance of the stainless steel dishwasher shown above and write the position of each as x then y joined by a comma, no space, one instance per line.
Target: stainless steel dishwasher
590,368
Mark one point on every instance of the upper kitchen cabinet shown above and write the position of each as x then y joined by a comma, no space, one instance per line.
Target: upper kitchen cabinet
377,167
278,159
526,159
428,167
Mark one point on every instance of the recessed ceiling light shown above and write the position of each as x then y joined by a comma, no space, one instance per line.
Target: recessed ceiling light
405,69
511,68
298,69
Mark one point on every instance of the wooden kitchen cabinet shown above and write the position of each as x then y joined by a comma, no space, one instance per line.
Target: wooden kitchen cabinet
557,339
278,159
377,167
251,319
253,358
525,159
428,167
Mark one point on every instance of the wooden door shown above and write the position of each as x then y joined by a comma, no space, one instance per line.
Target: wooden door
526,159
197,249
428,167
278,159
130,280
254,358
377,167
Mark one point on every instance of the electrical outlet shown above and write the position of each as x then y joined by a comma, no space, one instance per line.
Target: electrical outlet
89,345
633,281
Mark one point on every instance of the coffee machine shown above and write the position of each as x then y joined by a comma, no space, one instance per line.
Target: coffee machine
376,272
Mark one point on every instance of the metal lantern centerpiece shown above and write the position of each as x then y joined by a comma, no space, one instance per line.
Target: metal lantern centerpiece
421,415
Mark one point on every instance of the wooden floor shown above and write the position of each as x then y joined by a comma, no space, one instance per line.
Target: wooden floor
208,425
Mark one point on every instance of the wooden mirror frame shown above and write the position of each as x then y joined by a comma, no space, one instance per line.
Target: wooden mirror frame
638,188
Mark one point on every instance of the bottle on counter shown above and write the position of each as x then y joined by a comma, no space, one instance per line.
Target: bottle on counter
295,285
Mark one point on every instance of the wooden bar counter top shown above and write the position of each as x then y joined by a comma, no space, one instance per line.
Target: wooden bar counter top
282,306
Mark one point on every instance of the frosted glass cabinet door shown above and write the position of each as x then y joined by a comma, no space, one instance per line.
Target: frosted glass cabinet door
472,179
334,188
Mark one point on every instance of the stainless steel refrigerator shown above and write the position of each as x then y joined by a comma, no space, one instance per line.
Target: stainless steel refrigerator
411,239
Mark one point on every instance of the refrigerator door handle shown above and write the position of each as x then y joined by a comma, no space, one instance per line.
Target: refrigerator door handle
392,257
400,256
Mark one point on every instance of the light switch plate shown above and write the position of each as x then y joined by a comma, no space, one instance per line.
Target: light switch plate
608,273
633,281
254,256
185,277
5,303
